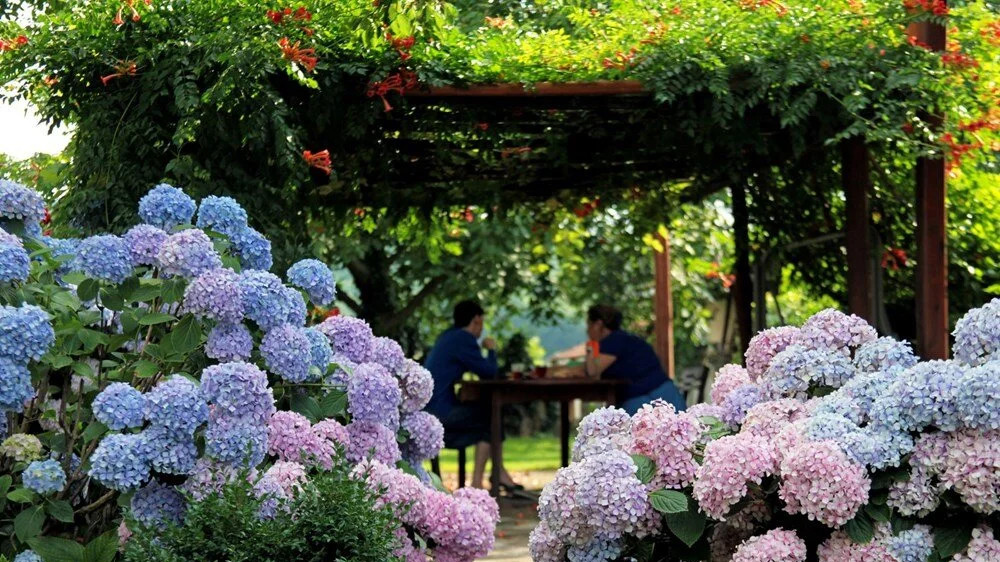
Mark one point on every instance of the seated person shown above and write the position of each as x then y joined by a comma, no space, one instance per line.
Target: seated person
624,356
455,353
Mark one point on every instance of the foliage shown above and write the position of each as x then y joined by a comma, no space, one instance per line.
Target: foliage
335,518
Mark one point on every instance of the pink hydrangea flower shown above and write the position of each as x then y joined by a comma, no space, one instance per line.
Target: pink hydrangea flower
840,548
290,437
767,419
819,481
972,468
765,345
730,463
777,545
726,379
669,439
982,548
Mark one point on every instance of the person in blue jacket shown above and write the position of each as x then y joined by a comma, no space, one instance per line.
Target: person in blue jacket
456,352
624,356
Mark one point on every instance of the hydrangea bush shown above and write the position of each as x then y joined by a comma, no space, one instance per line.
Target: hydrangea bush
145,372
833,444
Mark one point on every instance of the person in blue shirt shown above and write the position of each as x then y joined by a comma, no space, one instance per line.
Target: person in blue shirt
455,353
624,356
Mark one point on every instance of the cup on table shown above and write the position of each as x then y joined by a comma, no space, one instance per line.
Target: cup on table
540,371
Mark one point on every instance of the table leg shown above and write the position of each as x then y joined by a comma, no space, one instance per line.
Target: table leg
564,431
496,442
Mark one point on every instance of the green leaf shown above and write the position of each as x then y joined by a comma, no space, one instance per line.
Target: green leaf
405,467
93,431
87,289
173,290
949,541
307,406
668,501
59,361
83,369
900,524
878,512
437,483
110,299
103,548
128,287
91,338
60,510
860,529
333,404
154,318
5,482
687,526
145,369
186,335
646,468
54,549
21,495
29,522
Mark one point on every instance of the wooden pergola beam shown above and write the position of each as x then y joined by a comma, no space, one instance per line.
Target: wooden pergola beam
856,179
663,304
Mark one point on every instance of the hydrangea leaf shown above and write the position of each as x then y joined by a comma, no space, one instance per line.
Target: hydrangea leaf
860,529
668,501
53,549
646,468
28,523
60,510
949,541
688,526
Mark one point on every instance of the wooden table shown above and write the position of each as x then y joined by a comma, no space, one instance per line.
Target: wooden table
504,391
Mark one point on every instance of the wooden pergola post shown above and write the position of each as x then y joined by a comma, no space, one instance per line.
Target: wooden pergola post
743,295
856,179
932,253
664,305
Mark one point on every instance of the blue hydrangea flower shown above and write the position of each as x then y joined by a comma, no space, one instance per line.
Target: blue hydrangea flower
976,397
977,334
342,373
44,477
373,395
599,549
285,352
63,250
176,404
15,385
168,452
17,202
841,404
821,427
166,206
884,354
739,401
215,294
296,307
221,214
265,300
865,389
236,441
238,389
351,337
156,505
105,257
144,242
229,342
120,462
319,350
315,278
188,253
28,556
388,353
119,406
924,395
913,545
25,332
252,248
14,262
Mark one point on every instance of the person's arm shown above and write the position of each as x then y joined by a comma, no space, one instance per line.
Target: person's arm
471,358
597,364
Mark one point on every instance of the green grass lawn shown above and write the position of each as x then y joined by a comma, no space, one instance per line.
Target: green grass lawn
519,454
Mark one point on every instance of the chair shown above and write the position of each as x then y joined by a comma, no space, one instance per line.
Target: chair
436,466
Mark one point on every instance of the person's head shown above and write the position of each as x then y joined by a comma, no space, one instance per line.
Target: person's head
602,319
468,315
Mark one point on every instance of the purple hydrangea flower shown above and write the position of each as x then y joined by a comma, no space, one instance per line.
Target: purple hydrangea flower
739,401
977,334
252,248
610,425
765,345
373,395
884,354
264,299
351,337
15,385
285,350
221,214
144,242
833,330
315,278
331,430
372,440
215,294
188,253
168,452
229,342
238,389
119,406
290,437
105,257
17,202
25,332
236,441
166,206
176,404
320,352
14,262
386,352
425,437
120,462
416,384
44,477
157,505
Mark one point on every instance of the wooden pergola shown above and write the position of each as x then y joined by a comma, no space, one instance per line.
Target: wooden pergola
581,169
